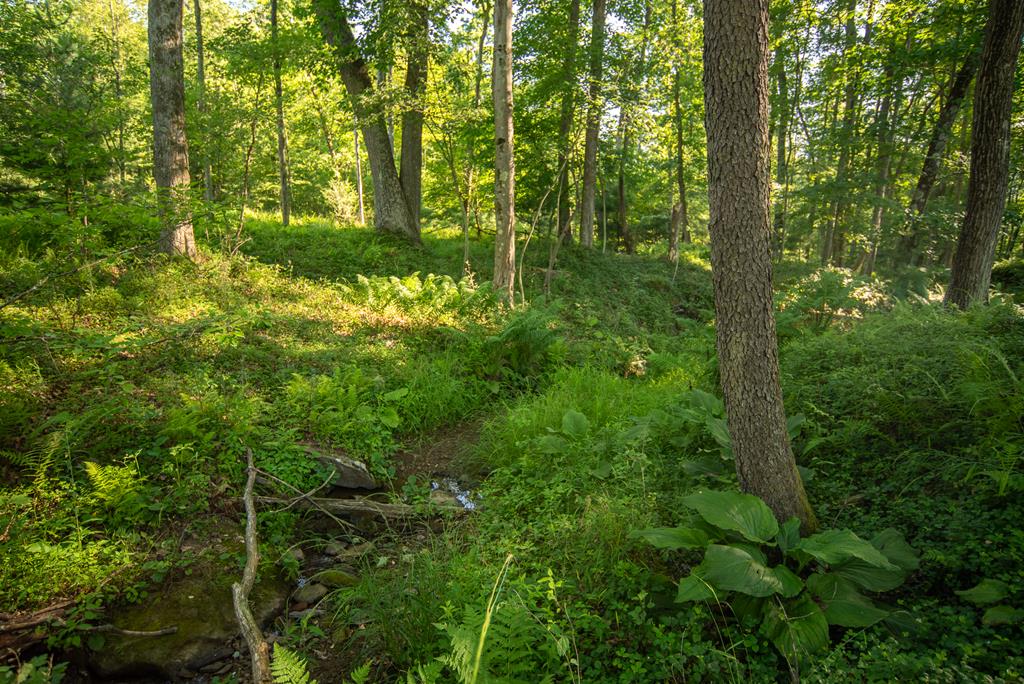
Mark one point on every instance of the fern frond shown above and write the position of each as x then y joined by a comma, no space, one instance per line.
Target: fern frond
288,667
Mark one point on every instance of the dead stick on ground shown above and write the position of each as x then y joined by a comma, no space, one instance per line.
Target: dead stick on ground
258,650
387,511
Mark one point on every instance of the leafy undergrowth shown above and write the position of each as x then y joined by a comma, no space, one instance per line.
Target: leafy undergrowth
130,390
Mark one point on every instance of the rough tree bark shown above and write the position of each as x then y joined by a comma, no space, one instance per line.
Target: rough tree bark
359,175
565,121
201,100
411,171
170,143
282,139
593,133
504,164
390,209
736,117
990,155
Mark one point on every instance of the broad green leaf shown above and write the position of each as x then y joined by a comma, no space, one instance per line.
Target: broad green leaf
551,444
748,608
986,591
397,394
844,605
867,576
797,628
732,569
694,588
894,547
741,513
720,431
709,402
791,584
789,534
673,537
836,546
1002,615
575,424
389,417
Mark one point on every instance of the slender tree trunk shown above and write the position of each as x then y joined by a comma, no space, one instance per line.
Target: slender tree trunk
593,132
411,171
201,100
781,166
621,209
633,89
990,155
680,220
170,143
504,163
359,175
390,209
883,166
282,139
834,239
471,198
115,34
736,106
909,244
940,134
565,121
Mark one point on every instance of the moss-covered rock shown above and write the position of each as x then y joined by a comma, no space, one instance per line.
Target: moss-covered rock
199,605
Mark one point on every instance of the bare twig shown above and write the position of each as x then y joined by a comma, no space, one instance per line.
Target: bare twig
307,496
258,650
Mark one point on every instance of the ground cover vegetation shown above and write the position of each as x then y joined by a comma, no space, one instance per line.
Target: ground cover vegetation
722,382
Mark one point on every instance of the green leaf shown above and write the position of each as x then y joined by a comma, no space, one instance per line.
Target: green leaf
748,608
791,584
551,444
844,605
389,416
986,591
673,537
694,588
836,546
894,547
397,394
720,431
1002,615
797,628
867,576
789,534
733,569
741,513
575,424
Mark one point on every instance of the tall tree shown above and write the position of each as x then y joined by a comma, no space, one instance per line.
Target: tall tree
504,163
282,138
201,100
390,209
593,132
566,118
170,143
736,118
990,155
418,51
679,222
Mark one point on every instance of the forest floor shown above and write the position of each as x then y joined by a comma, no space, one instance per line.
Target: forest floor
130,391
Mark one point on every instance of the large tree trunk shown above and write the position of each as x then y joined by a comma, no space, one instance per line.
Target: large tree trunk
390,209
565,122
201,102
736,106
593,132
411,171
504,164
282,139
990,155
170,144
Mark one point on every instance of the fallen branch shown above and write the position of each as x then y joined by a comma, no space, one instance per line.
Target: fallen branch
307,496
258,650
111,629
388,511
